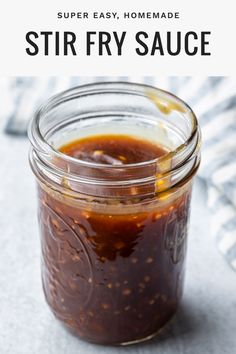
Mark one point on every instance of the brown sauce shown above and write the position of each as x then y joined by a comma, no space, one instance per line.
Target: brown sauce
113,277
113,149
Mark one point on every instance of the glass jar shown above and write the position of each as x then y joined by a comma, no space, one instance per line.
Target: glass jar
114,237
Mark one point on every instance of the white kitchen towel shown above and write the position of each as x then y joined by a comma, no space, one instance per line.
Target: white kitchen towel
213,99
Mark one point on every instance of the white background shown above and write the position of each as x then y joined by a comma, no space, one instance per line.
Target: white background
19,17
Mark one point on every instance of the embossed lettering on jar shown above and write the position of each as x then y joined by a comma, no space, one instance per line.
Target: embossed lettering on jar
114,164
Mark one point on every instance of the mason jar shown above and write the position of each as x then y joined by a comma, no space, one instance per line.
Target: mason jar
114,237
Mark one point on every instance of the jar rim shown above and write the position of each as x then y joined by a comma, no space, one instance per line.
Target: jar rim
40,144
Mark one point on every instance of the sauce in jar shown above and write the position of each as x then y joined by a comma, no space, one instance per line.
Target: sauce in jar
113,272
114,164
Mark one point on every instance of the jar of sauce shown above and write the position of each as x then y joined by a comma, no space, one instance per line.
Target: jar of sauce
114,164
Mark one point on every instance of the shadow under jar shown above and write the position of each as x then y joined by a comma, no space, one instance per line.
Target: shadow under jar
114,236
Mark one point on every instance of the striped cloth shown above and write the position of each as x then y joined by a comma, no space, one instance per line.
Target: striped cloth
214,101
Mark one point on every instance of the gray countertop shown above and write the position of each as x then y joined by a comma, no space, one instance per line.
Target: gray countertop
204,324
